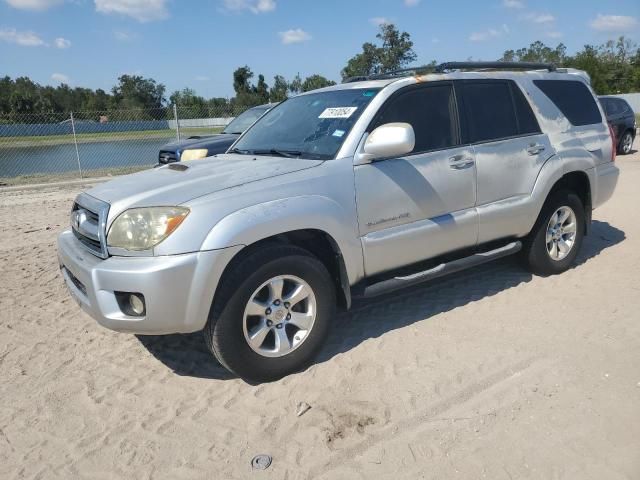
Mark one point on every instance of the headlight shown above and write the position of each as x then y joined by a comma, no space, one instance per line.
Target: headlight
144,228
194,154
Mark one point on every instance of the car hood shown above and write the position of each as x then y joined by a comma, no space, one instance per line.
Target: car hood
205,141
174,184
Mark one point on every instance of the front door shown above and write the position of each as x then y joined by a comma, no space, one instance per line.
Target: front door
421,205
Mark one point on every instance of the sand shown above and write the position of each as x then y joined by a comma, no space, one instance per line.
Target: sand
490,373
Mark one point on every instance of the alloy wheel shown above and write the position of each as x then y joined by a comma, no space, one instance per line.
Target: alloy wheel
279,316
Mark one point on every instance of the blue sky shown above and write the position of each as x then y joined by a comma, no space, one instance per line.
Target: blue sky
198,43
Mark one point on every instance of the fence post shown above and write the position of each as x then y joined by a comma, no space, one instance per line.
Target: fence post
175,116
75,142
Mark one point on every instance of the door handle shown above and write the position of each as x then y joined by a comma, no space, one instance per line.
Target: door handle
535,149
459,162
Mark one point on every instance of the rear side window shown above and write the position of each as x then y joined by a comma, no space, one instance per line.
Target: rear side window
623,106
573,99
527,123
489,111
430,110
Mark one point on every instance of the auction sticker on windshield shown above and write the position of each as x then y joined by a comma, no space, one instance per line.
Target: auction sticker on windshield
338,112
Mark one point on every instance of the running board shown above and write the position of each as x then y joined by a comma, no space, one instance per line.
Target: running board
396,283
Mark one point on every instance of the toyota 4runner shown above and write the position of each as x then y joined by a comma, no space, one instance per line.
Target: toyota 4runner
351,190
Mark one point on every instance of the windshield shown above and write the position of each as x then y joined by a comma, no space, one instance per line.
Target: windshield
244,120
309,126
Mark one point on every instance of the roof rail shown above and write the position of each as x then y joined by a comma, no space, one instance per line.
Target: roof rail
390,74
455,66
495,65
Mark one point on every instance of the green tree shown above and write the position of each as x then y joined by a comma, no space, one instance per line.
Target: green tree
395,52
295,85
537,52
262,90
135,91
316,81
278,92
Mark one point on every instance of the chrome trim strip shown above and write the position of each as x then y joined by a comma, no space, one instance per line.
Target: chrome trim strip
101,209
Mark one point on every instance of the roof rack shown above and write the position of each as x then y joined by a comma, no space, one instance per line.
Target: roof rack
443,67
495,65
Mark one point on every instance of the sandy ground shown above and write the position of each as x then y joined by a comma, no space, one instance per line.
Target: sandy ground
491,373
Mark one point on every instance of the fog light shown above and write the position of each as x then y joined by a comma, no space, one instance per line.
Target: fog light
131,304
136,302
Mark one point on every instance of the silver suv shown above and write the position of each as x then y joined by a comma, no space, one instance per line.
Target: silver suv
351,190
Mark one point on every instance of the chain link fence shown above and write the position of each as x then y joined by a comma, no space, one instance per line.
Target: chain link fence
50,147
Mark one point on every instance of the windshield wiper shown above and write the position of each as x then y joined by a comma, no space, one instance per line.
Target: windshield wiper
239,151
278,152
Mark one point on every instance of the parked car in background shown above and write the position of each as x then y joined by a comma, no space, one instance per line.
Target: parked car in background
622,119
201,146
355,190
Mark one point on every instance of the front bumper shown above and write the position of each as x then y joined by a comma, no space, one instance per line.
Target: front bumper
178,289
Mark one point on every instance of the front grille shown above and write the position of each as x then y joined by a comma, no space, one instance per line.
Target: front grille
167,157
88,221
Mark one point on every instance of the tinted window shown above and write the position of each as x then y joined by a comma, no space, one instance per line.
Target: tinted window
573,99
489,111
527,123
431,113
623,106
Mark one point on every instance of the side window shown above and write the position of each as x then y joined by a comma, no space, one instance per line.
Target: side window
573,99
623,106
430,110
527,123
611,107
488,110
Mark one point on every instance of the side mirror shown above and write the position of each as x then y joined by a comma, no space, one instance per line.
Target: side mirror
388,141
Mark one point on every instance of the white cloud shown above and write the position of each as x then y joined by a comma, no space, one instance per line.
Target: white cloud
60,78
38,5
435,40
296,35
123,36
255,6
539,18
489,34
24,39
201,78
377,21
614,23
61,43
411,3
554,34
141,10
513,3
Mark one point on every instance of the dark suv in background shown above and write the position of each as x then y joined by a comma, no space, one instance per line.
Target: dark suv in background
201,146
622,119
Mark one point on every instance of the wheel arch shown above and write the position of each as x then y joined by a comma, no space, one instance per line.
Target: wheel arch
577,181
317,242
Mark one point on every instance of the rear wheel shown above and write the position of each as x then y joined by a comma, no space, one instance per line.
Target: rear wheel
555,240
626,142
272,313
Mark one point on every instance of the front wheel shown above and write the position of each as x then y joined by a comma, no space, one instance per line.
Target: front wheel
554,242
272,313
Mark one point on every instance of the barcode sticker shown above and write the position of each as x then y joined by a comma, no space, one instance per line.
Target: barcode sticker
338,112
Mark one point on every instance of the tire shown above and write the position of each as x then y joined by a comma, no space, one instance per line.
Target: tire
536,251
625,144
253,278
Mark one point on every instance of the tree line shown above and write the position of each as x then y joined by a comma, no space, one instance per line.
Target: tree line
614,67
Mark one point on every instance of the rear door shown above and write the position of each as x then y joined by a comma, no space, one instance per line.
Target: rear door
509,151
422,204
